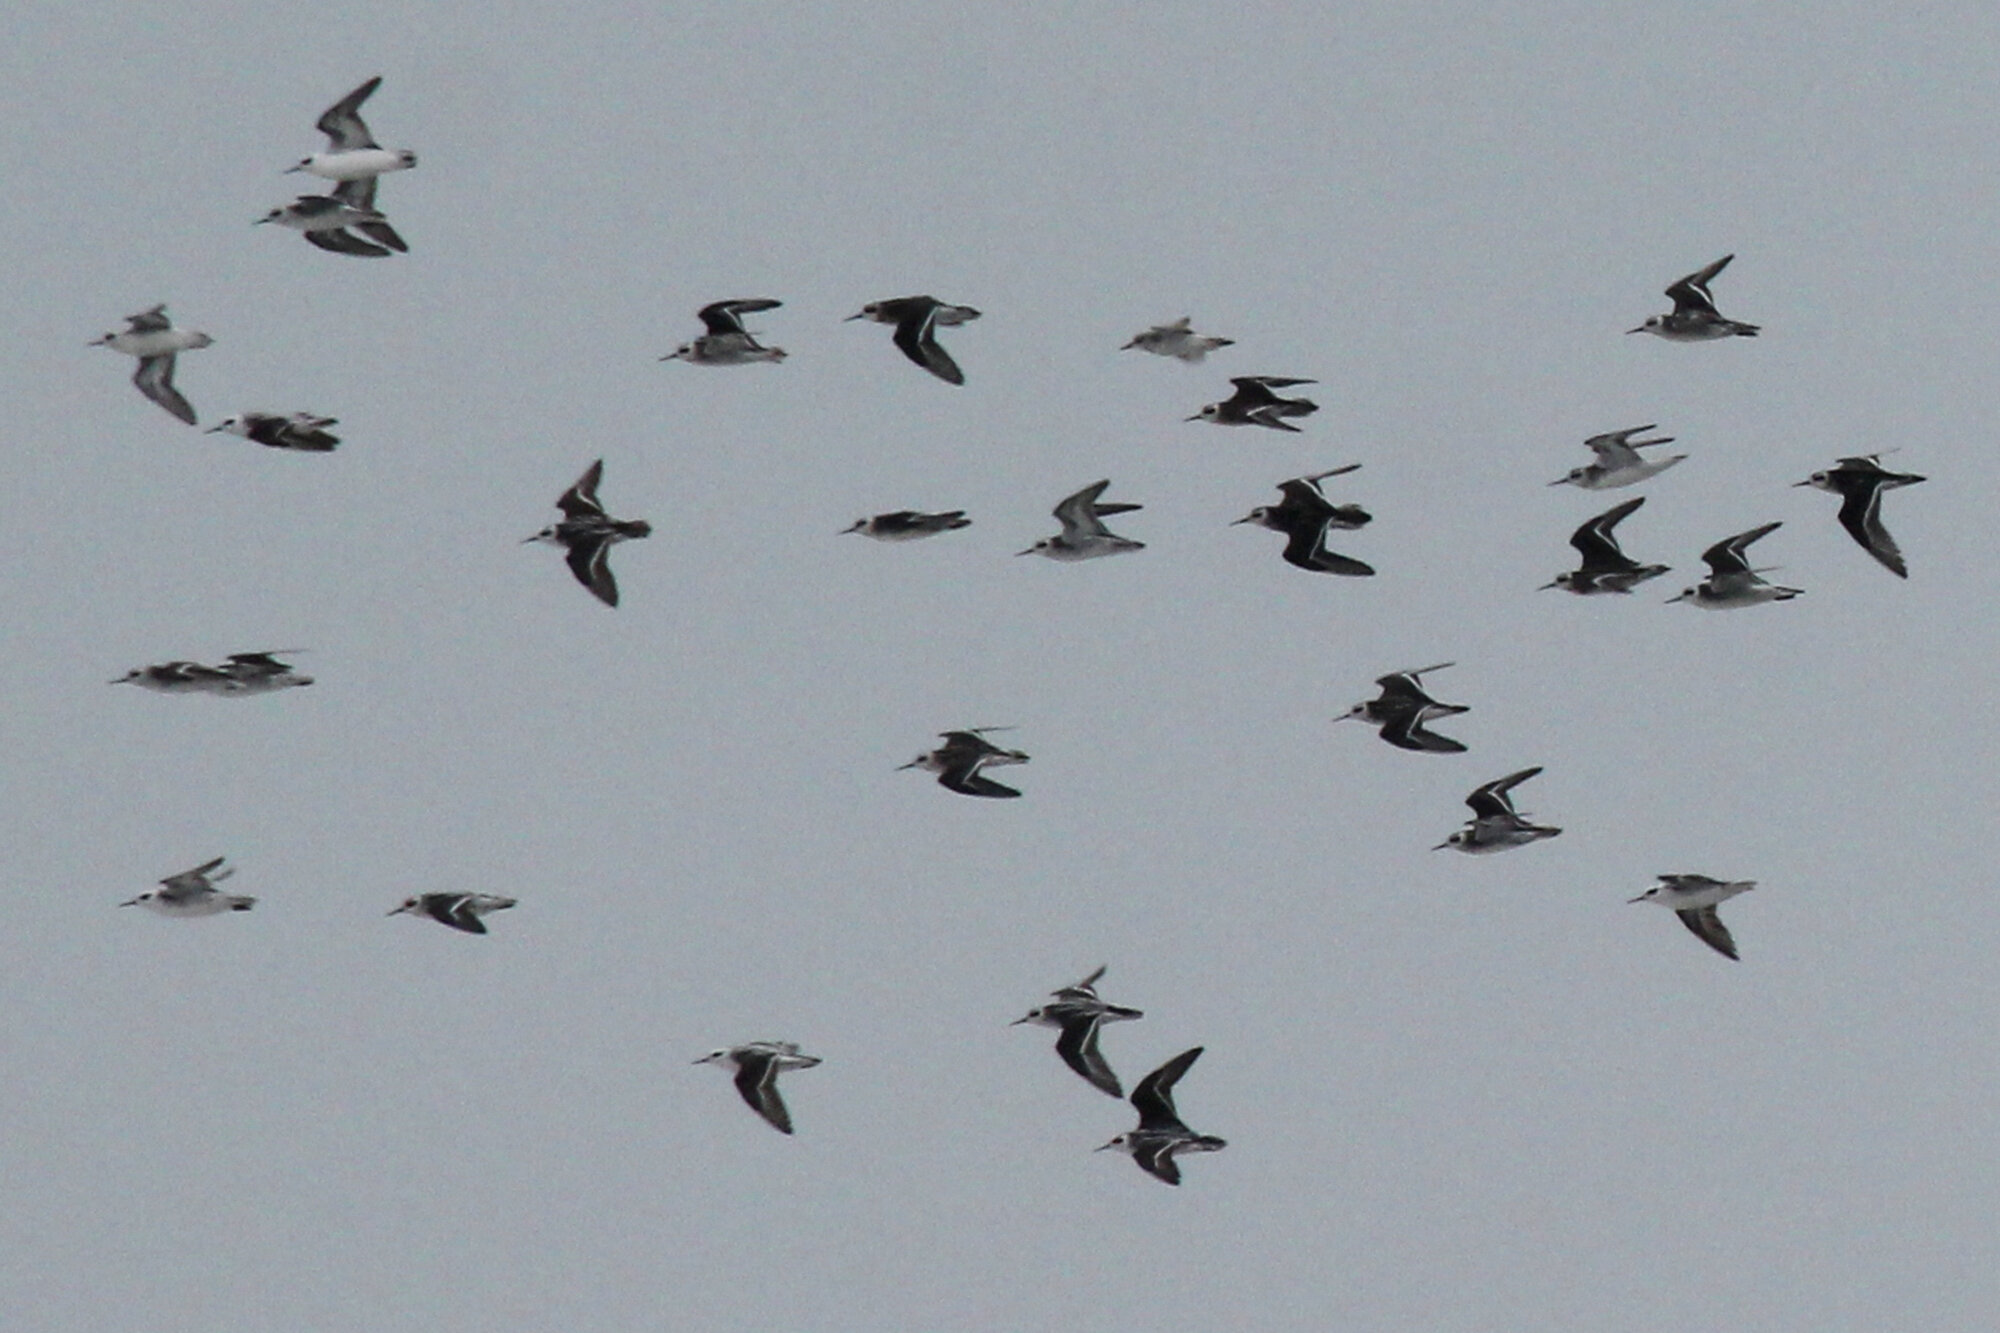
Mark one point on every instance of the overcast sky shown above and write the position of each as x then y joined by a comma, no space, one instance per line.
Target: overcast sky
1461,1094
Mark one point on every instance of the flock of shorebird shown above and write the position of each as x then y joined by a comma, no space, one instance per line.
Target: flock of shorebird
348,221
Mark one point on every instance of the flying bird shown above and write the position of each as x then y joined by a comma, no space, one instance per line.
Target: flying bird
959,760
1078,1012
1305,516
330,221
300,431
757,1065
917,319
1694,317
727,342
460,911
1495,825
1255,404
1161,1136
1176,340
1694,898
1731,583
351,151
1618,462
193,893
152,337
907,525
1859,482
1605,568
1083,535
1401,710
588,534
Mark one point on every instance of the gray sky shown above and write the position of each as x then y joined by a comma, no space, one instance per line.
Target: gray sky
1462,1094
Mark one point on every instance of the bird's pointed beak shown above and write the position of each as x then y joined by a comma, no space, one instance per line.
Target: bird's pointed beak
1546,586
290,170
1245,519
859,314
1640,899
1677,597
911,764
396,912
1441,846
1102,1146
211,430
1195,417
1640,329
1560,481
1029,551
1017,1022
1801,483
130,902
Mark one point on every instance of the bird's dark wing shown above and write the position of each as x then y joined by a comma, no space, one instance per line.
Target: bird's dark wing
341,123
1078,1047
590,560
346,243
915,335
1154,1097
1861,515
1708,928
1157,1160
155,378
1691,295
757,1080
580,500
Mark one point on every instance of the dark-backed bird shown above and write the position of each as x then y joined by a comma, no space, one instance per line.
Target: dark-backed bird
727,342
588,534
1496,825
1254,404
460,911
1078,1012
1161,1136
1694,317
1731,583
1305,516
1605,568
1859,482
757,1065
917,320
959,760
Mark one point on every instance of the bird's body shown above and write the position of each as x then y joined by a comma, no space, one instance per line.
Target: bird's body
299,431
757,1065
959,760
1401,710
242,673
1605,568
1078,1012
908,525
460,911
1083,535
1495,825
1731,583
152,338
1694,317
177,678
917,319
1618,461
193,893
1305,516
1859,482
727,342
1177,340
1694,899
1255,404
588,534
1161,1135
351,151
